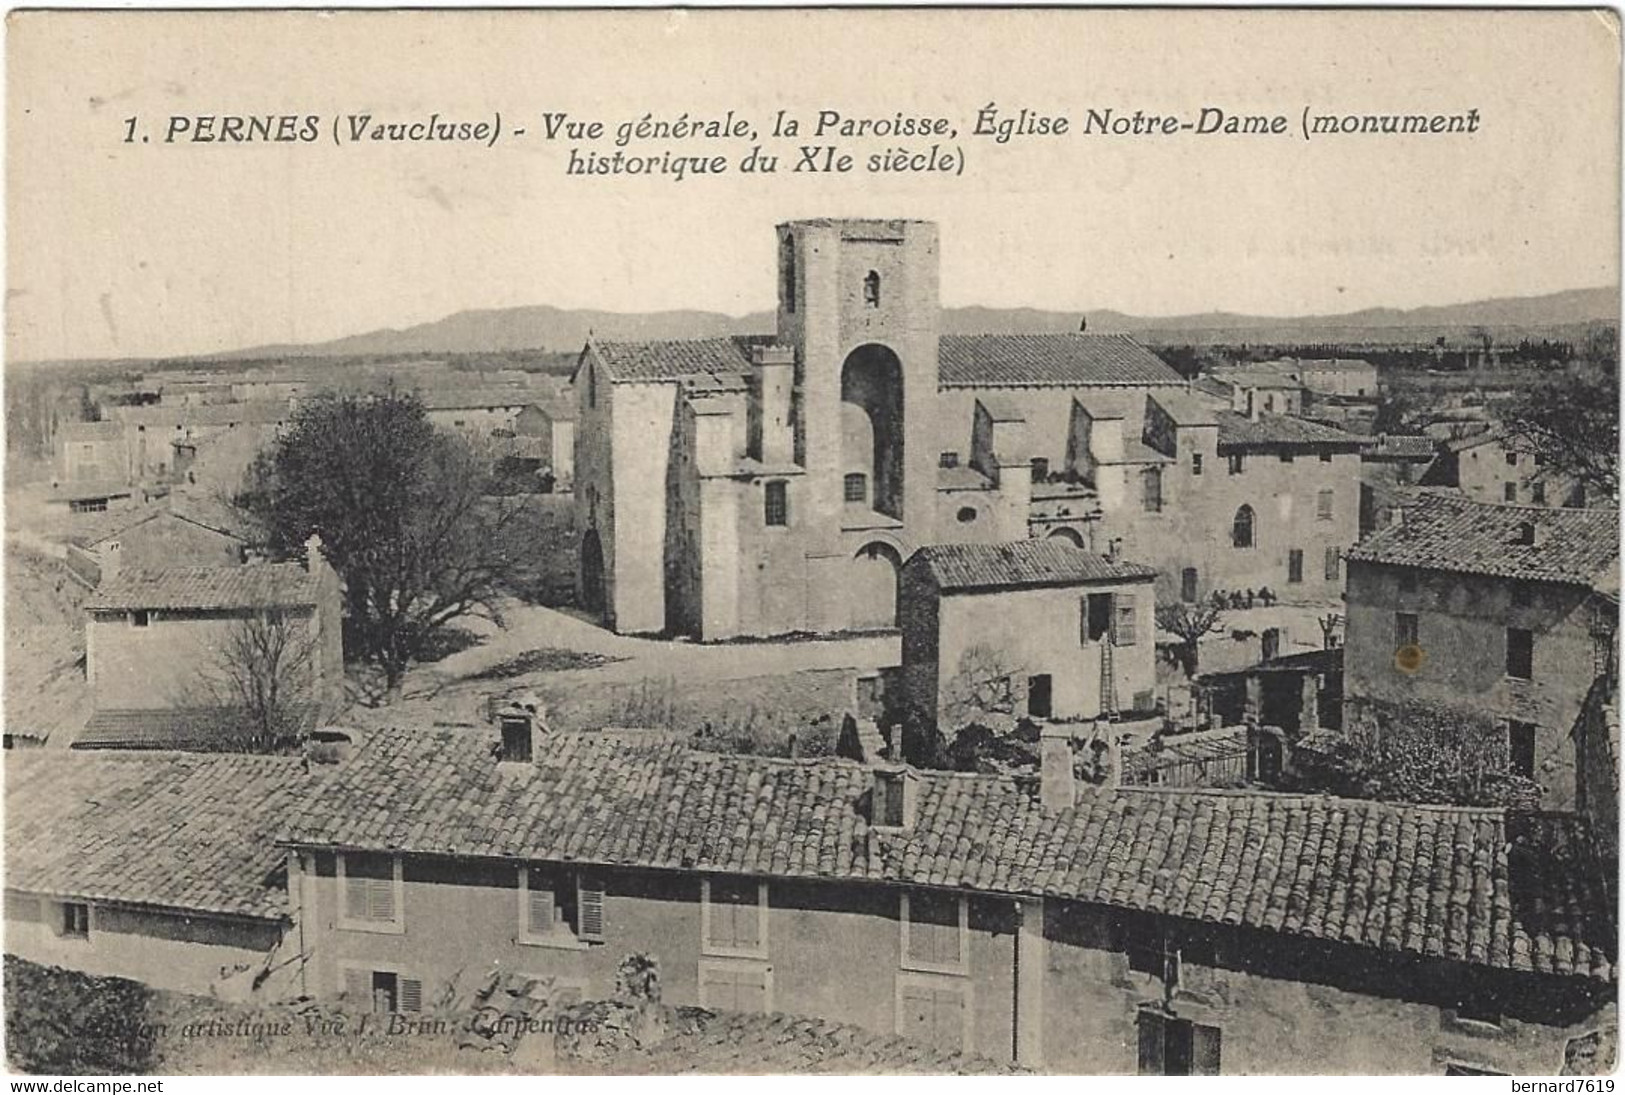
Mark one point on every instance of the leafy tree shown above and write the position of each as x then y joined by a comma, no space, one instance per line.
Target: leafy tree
402,514
1190,623
1572,420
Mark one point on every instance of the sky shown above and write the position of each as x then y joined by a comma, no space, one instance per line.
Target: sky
117,248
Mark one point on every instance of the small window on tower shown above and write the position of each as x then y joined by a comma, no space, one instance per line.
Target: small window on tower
776,503
857,487
871,289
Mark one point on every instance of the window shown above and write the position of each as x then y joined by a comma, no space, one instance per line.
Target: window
1145,947
1334,568
736,986
1509,492
1405,629
1325,458
89,505
75,920
871,289
1123,621
1236,463
1520,653
1323,505
787,272
1521,748
933,1011
1512,459
1171,1046
1039,696
1096,617
140,618
733,917
557,908
592,387
1403,473
966,515
948,460
857,487
936,930
1241,529
1294,566
1537,493
1196,463
1187,585
372,889
1040,469
1269,403
776,503
1151,489
1287,457
384,990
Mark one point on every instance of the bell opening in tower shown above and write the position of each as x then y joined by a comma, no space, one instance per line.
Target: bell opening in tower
872,425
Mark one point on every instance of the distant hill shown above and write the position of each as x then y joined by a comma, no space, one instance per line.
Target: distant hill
541,327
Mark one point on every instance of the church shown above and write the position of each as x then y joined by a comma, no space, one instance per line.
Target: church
765,485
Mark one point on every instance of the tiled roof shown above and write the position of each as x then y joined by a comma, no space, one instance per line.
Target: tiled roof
453,399
1399,447
1020,563
265,585
92,431
177,830
1442,532
1333,365
91,529
257,412
78,490
671,359
1186,409
1483,886
215,516
1061,360
201,730
1257,377
1237,431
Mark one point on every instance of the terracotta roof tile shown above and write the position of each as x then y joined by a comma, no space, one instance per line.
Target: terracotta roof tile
177,830
1452,533
1061,360
266,585
1020,563
1467,884
1237,431
205,730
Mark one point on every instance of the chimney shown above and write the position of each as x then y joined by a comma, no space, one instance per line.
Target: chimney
893,793
522,722
1114,549
1057,786
315,560
112,560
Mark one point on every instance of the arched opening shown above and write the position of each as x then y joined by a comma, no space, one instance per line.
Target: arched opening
872,424
1241,529
872,591
593,598
871,289
1067,536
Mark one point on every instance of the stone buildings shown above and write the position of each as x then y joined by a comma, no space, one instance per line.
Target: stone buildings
177,530
1504,615
772,484
1035,628
1492,467
167,652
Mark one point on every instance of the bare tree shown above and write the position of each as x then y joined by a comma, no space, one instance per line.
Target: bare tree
1190,623
983,684
262,678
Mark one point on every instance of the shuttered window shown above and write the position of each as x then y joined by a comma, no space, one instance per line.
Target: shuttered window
1123,620
560,906
372,892
382,991
933,1013
736,987
1170,1046
734,916
1324,504
934,929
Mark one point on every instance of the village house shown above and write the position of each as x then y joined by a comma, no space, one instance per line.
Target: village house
1344,378
479,412
772,484
67,503
1492,466
165,650
176,530
151,432
1252,389
553,428
158,867
92,452
1219,501
1504,615
1037,628
1083,929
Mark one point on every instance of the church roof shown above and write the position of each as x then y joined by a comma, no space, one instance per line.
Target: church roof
963,361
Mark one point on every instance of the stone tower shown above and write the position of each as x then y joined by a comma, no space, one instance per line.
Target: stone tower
858,306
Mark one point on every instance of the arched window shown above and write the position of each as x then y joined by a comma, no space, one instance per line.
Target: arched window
871,289
776,503
857,487
787,271
1241,530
